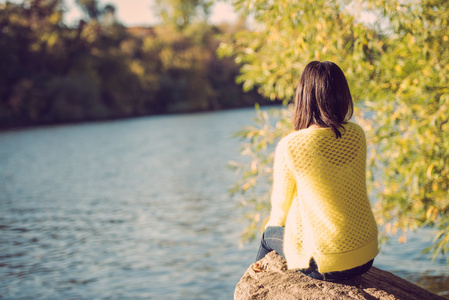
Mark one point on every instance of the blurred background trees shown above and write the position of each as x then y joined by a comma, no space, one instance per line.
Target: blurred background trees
181,13
99,69
397,67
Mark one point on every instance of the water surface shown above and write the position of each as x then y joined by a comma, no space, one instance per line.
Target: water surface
138,209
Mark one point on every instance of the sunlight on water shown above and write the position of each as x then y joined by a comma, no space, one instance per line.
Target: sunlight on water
137,209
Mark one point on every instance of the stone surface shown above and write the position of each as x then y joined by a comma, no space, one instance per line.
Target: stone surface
270,279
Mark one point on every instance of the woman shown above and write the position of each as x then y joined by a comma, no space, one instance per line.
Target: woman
321,221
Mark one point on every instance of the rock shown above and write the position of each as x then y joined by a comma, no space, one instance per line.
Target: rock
270,279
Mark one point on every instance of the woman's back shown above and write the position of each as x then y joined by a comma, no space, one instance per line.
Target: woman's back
331,213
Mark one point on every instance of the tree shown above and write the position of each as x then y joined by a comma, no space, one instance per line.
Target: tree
90,7
181,12
52,73
397,71
93,10
109,17
29,45
412,132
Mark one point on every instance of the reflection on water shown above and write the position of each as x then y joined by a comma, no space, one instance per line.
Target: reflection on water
136,209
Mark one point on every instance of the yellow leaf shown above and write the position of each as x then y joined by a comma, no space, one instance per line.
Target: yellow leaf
429,171
429,212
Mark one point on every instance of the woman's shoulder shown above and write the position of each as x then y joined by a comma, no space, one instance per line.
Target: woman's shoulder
294,135
355,127
310,134
304,134
299,138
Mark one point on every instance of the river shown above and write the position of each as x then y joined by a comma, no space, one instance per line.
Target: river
138,209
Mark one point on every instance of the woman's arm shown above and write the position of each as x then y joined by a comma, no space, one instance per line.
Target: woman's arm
284,185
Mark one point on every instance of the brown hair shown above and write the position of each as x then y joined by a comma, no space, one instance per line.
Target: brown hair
322,97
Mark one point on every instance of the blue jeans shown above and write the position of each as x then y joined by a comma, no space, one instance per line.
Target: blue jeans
273,239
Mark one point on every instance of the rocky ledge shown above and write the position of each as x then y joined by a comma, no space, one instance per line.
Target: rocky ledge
270,279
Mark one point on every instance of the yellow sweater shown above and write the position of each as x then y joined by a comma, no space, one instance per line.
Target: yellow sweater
319,195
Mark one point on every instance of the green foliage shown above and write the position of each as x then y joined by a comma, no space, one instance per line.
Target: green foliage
397,71
90,7
181,13
290,34
410,125
99,69
260,140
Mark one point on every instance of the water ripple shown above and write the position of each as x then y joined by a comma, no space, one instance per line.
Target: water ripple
135,209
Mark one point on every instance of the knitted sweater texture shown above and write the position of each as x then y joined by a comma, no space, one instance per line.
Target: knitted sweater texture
319,195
